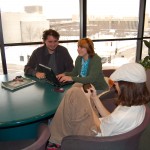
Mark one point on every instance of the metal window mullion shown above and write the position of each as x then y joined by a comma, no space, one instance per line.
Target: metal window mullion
4,66
140,29
83,17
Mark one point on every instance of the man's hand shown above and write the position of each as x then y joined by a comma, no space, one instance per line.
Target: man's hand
40,75
59,76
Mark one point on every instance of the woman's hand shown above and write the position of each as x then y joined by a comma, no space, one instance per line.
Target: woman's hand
93,91
99,105
65,78
40,75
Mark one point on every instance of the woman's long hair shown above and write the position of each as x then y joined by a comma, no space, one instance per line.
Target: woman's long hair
133,93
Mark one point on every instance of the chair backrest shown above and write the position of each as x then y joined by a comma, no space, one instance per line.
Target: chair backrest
126,141
108,72
148,79
108,94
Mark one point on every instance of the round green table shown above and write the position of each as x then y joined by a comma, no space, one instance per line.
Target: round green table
23,110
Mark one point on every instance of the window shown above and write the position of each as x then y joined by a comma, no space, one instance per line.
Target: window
112,25
116,53
147,20
146,28
113,20
25,20
17,56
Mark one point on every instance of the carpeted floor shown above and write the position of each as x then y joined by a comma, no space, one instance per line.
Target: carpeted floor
15,145
145,140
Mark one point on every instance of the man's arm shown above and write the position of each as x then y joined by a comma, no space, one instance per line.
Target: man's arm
30,67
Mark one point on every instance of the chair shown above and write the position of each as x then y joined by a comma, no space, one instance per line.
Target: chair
148,79
126,141
29,144
108,72
111,93
43,136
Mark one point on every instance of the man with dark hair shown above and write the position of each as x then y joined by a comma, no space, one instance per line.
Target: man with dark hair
50,54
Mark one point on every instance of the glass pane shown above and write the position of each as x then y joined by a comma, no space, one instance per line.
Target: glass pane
144,51
113,54
72,48
17,56
147,20
116,53
25,20
109,19
146,28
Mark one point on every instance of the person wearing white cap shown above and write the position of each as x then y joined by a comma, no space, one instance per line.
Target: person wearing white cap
130,83
75,114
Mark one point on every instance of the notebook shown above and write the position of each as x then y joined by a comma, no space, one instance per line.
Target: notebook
51,77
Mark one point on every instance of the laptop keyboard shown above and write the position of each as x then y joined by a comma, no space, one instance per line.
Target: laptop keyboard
60,83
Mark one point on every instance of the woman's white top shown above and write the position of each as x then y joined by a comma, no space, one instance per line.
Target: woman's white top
121,120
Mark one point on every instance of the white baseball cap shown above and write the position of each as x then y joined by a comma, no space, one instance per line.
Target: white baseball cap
131,72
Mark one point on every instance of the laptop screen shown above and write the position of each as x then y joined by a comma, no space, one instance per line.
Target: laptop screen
50,75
